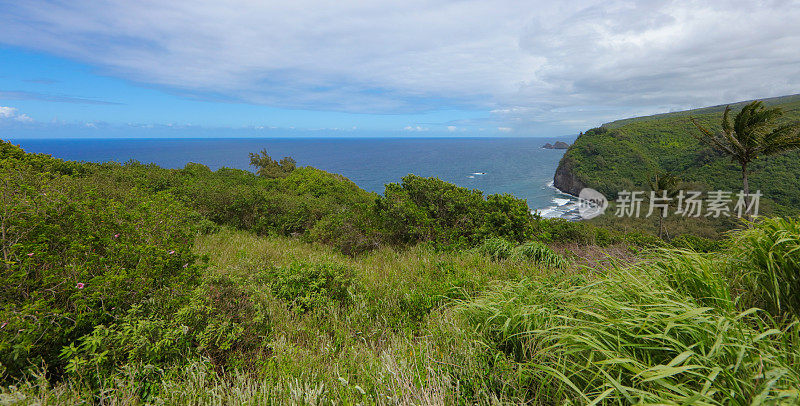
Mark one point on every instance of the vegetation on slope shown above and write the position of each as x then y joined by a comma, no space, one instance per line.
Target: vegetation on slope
622,155
133,284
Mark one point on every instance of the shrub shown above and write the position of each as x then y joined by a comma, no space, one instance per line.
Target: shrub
644,240
538,253
311,286
214,322
496,248
431,210
352,231
79,259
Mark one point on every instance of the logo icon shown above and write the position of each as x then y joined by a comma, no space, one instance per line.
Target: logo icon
591,203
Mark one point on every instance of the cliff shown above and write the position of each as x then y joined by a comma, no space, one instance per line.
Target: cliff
565,178
623,154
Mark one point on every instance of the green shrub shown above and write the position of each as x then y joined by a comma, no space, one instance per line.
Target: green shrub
353,231
644,240
76,259
496,248
560,230
538,253
311,286
432,210
214,322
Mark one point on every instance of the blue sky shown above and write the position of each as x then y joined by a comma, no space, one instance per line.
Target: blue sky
72,99
348,68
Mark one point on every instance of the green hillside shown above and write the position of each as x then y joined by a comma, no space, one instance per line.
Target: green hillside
131,284
622,154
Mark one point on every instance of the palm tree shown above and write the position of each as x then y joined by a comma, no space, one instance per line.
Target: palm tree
752,133
664,185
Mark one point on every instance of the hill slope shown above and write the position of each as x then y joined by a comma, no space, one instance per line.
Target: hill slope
622,154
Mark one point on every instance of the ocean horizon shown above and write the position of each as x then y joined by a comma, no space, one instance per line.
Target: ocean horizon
513,165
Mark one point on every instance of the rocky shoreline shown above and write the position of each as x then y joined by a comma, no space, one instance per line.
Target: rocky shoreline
565,179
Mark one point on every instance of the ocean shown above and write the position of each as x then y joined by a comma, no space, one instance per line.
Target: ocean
518,166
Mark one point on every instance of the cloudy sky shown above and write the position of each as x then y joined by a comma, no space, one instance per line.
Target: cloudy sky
367,68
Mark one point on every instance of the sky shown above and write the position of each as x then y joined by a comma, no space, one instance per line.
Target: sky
155,68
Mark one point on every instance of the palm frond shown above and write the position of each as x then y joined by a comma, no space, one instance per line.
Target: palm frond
710,139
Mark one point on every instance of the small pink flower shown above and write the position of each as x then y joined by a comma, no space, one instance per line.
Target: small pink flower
3,325
30,254
80,285
171,252
185,265
116,235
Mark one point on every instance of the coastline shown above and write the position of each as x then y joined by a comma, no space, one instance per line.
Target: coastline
565,206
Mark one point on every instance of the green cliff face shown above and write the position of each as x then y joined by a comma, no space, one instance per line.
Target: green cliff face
622,154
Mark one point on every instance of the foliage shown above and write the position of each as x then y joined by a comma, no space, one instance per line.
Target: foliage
621,156
496,248
269,168
134,284
752,133
78,259
538,253
311,286
631,340
696,243
431,210
214,322
768,265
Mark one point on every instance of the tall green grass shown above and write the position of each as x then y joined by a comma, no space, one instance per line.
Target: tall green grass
534,252
697,275
501,324
767,265
630,339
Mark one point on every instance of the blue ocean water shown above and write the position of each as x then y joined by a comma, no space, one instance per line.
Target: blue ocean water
518,166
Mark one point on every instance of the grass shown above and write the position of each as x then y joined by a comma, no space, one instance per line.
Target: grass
767,265
418,326
534,252
630,340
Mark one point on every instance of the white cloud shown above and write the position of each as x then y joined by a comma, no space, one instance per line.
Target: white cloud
531,62
12,113
505,129
415,128
452,128
7,112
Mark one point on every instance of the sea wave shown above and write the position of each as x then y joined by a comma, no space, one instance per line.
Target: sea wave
563,206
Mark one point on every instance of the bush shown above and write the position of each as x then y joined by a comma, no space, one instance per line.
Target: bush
76,259
538,253
496,248
353,231
431,210
217,320
311,286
